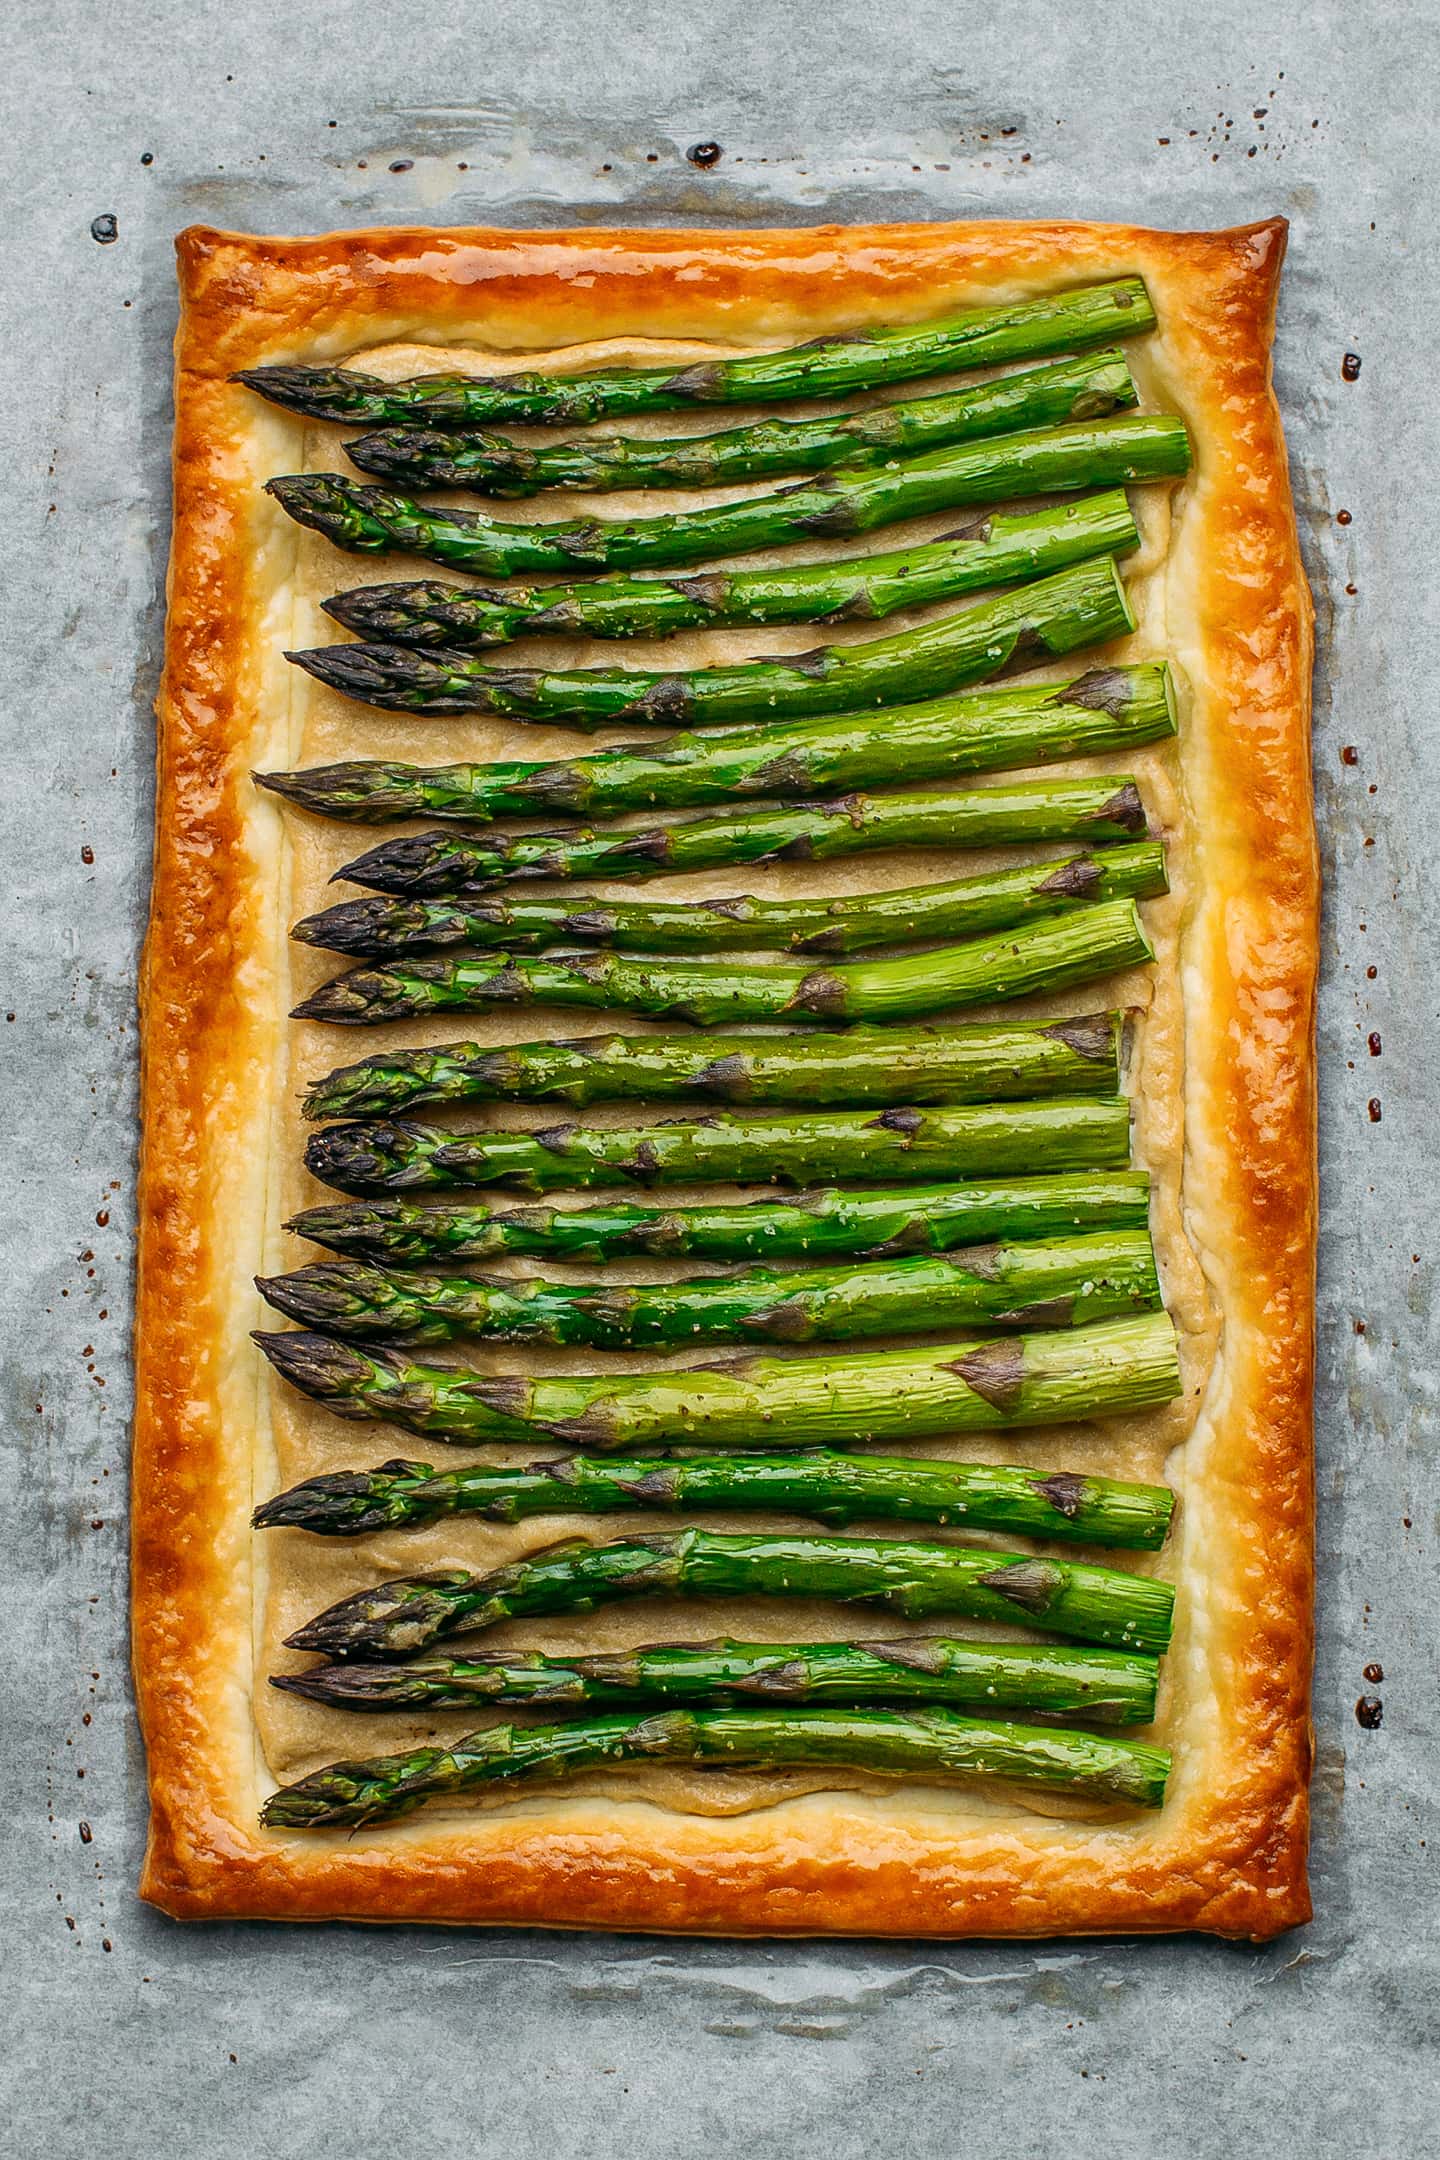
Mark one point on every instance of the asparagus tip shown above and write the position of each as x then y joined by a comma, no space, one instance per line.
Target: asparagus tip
280,381
310,1222
348,1686
377,674
301,1684
361,926
292,1510
361,1154
320,663
281,783
303,1296
340,1000
315,1364
401,865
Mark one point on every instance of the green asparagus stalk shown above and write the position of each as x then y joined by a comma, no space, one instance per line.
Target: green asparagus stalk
748,1402
963,908
1047,954
433,864
997,549
1061,1284
1016,724
925,1744
791,1148
1084,605
920,1579
860,359
871,1224
965,1063
833,1489
1045,461
1066,1283
1105,1687
1081,389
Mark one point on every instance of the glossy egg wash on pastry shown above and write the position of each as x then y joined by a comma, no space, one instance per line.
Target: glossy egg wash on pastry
729,1004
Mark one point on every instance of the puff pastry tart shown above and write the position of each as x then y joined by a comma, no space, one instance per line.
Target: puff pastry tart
864,1375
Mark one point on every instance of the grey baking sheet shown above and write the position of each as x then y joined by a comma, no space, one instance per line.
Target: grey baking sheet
128,2035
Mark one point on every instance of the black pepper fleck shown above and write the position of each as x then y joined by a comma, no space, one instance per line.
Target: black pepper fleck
1350,367
705,154
403,164
105,228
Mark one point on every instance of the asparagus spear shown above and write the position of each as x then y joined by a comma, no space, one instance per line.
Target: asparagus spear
1046,954
859,359
751,1402
962,908
1083,605
997,549
833,1489
1016,724
974,1063
1081,389
1106,1687
1092,453
1060,1284
428,864
788,1148
797,1226
925,1744
918,1578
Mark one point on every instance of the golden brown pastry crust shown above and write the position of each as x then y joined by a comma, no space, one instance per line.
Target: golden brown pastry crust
1227,1853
